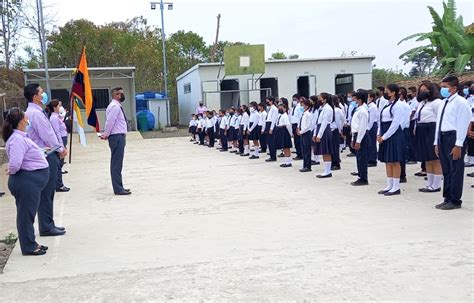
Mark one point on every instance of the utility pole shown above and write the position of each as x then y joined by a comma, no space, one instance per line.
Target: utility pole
39,5
214,47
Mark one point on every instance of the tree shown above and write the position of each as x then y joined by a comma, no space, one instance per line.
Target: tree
11,26
278,56
450,43
382,77
188,45
423,63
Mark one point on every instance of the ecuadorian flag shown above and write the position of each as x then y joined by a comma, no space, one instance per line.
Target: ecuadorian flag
81,97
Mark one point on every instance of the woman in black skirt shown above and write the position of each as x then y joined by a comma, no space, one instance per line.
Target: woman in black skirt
425,128
254,129
391,140
323,134
315,110
284,134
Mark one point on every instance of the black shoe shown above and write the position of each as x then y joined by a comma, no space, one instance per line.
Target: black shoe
442,204
254,157
38,252
382,192
351,155
123,193
64,172
286,165
411,162
354,173
270,160
470,175
59,227
232,151
244,155
223,150
305,170
403,180
281,155
392,193
335,168
449,206
63,189
430,190
52,233
2,194
421,174
297,158
324,176
315,163
372,165
42,247
359,183
468,164
127,189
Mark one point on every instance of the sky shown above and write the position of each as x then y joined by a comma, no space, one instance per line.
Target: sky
311,29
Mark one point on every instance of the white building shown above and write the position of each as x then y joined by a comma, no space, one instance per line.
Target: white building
282,78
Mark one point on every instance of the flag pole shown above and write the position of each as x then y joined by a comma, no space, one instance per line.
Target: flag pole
72,128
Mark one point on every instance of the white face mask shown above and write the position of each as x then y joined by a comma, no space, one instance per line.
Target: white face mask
252,109
295,102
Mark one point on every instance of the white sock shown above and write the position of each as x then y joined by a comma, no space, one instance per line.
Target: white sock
316,158
288,160
437,181
327,167
430,180
246,149
396,185
389,184
313,156
470,159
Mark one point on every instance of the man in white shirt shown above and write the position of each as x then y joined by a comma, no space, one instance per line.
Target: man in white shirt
296,113
223,127
405,125
413,103
360,141
451,129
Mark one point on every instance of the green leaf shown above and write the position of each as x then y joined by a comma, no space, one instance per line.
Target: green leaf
461,63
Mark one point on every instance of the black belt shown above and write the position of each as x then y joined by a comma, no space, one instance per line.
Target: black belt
449,132
117,135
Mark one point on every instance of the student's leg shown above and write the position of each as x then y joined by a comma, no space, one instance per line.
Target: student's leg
446,165
430,173
457,178
327,159
271,146
336,160
438,174
362,160
396,170
306,149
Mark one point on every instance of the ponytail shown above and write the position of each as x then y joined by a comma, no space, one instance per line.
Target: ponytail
50,107
393,88
12,119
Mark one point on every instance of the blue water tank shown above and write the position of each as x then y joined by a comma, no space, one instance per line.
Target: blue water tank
150,118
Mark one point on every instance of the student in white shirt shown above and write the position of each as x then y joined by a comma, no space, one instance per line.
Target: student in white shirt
424,134
232,133
270,123
323,135
284,134
351,107
254,129
305,132
296,113
391,140
315,106
469,95
240,129
261,125
372,128
406,131
244,130
413,102
360,136
223,129
192,127
201,129
210,131
337,129
451,130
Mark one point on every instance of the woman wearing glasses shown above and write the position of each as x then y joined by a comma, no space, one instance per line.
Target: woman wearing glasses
29,174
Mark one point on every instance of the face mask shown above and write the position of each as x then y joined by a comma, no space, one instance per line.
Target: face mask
122,97
268,104
466,91
231,114
445,92
386,96
280,111
45,98
354,103
201,104
471,91
424,95
295,102
409,97
349,99
252,109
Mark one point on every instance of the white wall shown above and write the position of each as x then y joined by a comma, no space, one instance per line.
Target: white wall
187,103
153,106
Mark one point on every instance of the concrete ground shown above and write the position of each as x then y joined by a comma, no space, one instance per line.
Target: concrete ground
203,225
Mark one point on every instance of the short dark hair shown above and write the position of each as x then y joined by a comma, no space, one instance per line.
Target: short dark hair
30,91
361,95
452,81
297,96
412,89
116,89
272,99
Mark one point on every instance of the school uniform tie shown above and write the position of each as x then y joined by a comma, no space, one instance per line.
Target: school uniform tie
419,112
442,114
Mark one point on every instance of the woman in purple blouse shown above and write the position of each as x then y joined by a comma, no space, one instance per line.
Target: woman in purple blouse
29,174
60,130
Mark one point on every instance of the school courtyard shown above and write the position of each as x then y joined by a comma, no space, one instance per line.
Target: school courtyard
208,226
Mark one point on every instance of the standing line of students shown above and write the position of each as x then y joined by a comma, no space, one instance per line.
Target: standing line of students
394,125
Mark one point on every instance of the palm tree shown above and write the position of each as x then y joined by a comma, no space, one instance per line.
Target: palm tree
450,43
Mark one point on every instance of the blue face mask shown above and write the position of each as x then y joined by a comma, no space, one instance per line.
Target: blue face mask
45,98
445,92
466,91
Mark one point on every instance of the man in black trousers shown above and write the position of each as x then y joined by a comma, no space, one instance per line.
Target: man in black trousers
451,129
272,117
116,131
